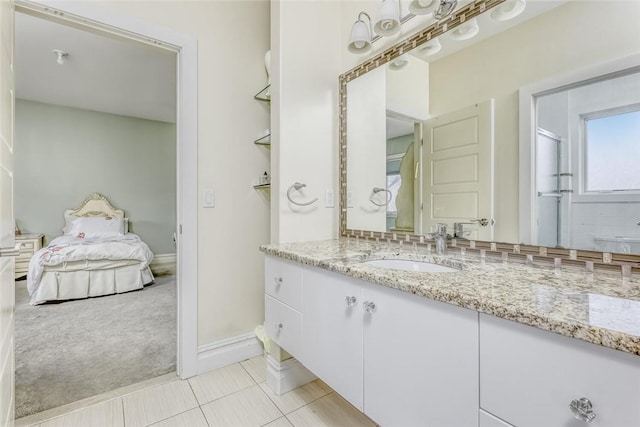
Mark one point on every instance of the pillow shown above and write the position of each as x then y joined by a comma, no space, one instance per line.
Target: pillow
96,224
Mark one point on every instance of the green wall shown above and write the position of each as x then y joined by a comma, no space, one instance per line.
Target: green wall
63,154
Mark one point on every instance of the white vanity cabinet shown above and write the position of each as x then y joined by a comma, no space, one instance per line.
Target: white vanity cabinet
283,304
529,377
420,360
401,359
333,323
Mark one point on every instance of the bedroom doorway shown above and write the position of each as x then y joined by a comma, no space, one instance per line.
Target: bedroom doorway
183,171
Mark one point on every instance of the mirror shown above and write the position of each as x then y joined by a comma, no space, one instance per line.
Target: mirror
462,95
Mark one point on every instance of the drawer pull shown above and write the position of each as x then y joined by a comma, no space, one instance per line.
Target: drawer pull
582,409
368,307
351,301
278,281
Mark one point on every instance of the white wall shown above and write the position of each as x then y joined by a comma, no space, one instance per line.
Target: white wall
367,151
64,154
305,43
571,36
408,89
233,37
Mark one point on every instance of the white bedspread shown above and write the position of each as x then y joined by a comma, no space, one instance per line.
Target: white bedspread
65,249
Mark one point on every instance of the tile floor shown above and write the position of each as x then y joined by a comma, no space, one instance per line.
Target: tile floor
235,395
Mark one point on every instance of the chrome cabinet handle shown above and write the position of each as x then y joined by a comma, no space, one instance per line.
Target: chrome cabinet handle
368,307
278,281
351,301
582,409
279,327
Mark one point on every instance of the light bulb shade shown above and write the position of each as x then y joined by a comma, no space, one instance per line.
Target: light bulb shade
388,19
422,7
445,8
399,63
465,31
430,48
360,39
508,10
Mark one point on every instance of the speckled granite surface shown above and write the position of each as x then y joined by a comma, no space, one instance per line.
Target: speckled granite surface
600,308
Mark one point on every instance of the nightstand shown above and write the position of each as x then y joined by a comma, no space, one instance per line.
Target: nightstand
30,244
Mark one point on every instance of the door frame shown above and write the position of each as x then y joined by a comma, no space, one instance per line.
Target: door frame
95,18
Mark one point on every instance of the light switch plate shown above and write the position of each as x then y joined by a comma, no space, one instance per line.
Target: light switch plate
329,201
208,198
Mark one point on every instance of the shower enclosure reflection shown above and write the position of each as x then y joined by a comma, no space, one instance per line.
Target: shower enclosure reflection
587,157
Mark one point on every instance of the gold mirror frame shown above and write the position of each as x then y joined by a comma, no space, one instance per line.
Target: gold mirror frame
626,263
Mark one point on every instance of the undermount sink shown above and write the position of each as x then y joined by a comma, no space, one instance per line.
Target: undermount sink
407,265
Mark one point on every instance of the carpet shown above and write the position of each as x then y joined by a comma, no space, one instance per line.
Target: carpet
77,349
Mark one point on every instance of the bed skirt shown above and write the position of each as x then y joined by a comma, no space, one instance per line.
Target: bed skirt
68,283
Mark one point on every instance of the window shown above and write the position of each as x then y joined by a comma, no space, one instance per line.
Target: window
393,185
612,150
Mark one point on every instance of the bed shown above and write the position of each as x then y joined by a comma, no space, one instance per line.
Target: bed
95,256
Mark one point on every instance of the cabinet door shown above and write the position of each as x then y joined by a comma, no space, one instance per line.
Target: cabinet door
421,361
332,331
528,377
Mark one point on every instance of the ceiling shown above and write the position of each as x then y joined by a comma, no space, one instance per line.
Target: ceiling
103,74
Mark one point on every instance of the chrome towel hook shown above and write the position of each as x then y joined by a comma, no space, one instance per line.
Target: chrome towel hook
297,186
377,190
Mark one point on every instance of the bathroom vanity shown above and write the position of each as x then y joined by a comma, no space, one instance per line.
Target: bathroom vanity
491,343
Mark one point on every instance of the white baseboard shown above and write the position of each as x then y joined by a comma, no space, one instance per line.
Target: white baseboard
227,352
286,375
163,264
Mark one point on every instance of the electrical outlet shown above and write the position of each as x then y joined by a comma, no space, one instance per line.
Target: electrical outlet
209,198
349,199
329,201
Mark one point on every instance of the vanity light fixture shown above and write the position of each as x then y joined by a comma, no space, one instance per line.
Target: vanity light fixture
360,39
388,19
465,31
61,56
422,7
398,63
508,10
445,8
429,48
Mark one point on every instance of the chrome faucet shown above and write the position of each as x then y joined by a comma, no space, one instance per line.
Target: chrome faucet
440,236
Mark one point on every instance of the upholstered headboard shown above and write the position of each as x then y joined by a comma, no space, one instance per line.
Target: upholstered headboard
95,205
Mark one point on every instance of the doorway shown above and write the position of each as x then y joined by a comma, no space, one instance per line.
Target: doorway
98,21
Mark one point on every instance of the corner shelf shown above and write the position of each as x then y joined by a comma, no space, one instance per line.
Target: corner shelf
264,94
265,140
262,186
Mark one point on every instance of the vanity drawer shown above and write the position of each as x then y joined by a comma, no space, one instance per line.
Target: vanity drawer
283,281
283,325
529,377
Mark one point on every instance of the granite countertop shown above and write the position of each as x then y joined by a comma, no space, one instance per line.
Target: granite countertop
601,308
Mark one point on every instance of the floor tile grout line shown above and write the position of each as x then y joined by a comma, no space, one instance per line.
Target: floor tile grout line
168,418
226,395
179,413
247,371
204,415
271,400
